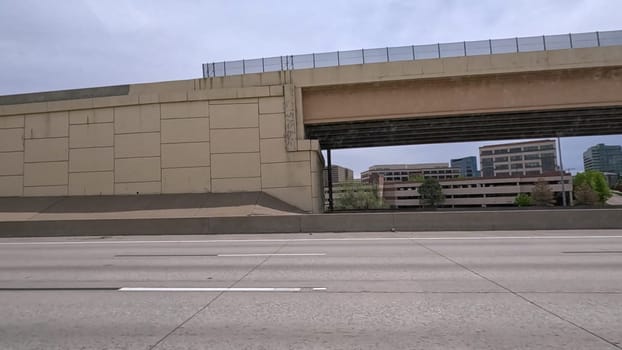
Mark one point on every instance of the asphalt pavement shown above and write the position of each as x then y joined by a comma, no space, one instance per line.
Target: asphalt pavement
441,290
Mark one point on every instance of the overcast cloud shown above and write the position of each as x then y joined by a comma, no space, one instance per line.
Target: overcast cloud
64,44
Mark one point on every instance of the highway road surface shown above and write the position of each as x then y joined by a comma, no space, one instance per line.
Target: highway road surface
442,290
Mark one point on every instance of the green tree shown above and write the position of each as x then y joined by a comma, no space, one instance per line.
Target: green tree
596,181
542,194
523,200
355,196
585,195
431,192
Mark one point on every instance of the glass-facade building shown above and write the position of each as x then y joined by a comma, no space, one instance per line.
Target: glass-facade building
467,166
604,158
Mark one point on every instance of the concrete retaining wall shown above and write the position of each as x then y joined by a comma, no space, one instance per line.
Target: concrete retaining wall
351,222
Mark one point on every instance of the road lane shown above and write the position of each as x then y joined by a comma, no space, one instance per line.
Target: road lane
328,291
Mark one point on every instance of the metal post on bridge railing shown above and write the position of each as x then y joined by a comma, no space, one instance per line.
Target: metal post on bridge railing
489,47
544,43
570,39
387,53
464,47
363,55
313,55
263,65
598,39
243,66
438,49
516,41
561,166
329,173
412,48
338,60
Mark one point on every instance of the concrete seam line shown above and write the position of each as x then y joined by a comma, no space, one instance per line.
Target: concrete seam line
519,295
213,300
185,321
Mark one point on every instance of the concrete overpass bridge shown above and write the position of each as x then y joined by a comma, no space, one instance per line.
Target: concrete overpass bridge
263,131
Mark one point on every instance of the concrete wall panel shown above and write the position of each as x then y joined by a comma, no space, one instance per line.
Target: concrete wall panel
90,159
44,191
45,174
89,184
153,187
269,105
47,150
91,135
273,151
179,155
137,145
317,162
276,90
186,180
235,165
12,163
12,122
174,110
185,130
11,186
272,125
234,140
135,119
47,125
137,170
296,196
11,140
234,116
292,174
247,184
91,116
193,109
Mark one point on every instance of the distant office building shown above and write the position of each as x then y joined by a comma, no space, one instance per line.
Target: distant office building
404,172
339,174
467,166
518,159
477,191
604,158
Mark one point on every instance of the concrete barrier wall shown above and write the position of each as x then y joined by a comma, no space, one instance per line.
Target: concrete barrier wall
353,222
157,138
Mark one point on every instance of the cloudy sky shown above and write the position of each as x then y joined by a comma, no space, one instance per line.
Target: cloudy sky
64,44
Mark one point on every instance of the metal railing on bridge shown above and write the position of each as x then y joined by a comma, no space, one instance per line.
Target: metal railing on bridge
413,52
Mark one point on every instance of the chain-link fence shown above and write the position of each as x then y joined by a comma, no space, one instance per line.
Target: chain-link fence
413,52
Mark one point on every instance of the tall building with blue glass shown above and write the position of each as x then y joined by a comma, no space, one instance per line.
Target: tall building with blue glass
467,165
604,158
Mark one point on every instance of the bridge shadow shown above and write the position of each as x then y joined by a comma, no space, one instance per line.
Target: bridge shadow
124,203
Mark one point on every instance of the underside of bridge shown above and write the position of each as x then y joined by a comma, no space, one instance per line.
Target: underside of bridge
468,127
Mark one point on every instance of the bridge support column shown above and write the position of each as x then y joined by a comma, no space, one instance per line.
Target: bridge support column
330,180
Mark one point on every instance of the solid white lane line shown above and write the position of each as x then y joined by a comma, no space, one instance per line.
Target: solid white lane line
162,289
294,240
269,254
318,289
